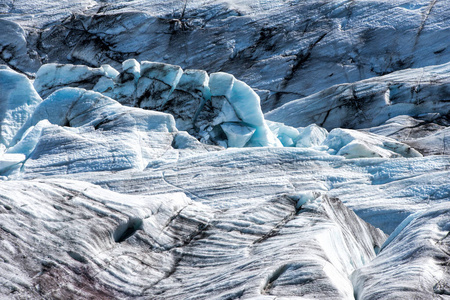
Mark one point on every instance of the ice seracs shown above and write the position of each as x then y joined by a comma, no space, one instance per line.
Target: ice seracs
51,77
75,130
199,103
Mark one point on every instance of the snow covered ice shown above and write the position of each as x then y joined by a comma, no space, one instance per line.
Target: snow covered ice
224,150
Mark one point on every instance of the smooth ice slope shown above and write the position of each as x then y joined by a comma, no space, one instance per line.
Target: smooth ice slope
372,102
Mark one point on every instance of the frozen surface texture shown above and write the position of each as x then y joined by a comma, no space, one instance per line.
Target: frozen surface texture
224,149
102,244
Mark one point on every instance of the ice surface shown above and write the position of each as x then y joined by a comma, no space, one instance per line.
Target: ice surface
371,102
427,133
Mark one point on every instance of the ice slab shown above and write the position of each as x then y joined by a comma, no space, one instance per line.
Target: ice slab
18,99
51,77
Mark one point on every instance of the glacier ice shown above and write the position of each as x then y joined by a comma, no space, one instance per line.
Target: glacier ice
51,77
311,136
427,133
156,82
237,135
371,102
100,198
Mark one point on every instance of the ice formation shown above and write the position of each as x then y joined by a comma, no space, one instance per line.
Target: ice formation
206,107
224,149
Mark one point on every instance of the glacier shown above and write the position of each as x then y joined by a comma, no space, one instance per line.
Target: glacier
224,150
